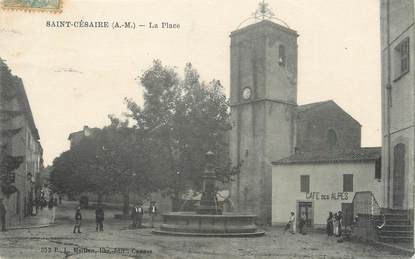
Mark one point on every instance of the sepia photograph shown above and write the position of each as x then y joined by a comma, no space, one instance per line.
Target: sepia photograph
207,129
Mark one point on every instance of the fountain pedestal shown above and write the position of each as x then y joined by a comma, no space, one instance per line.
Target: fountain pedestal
208,202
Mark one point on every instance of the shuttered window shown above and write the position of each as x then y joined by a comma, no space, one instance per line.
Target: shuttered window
347,183
401,58
305,183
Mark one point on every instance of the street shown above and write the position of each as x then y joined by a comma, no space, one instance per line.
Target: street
118,240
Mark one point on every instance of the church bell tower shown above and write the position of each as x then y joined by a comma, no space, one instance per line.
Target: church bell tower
263,102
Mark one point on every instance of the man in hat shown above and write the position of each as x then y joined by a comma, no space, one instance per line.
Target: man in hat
134,216
99,218
140,212
152,211
2,215
137,214
78,219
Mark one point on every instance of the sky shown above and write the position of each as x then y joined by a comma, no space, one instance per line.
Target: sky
78,76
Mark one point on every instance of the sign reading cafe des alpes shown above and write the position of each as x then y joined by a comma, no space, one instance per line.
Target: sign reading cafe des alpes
344,196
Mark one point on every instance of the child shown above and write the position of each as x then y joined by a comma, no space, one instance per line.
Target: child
78,219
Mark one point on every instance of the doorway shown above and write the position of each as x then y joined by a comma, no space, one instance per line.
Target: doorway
305,210
347,210
398,175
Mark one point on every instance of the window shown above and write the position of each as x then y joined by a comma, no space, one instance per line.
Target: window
282,57
378,169
331,137
401,59
305,183
347,183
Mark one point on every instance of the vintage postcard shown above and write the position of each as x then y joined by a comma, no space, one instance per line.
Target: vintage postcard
207,129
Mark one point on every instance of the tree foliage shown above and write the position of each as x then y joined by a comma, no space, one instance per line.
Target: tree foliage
185,118
114,159
181,119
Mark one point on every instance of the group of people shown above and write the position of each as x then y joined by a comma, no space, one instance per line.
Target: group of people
39,202
335,224
50,201
137,214
99,219
292,224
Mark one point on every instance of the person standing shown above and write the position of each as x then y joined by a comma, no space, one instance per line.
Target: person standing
329,227
140,213
2,215
99,218
52,209
78,219
55,201
134,215
37,204
153,212
293,223
335,225
339,223
301,224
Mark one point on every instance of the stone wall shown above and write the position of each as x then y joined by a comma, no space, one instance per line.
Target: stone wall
314,124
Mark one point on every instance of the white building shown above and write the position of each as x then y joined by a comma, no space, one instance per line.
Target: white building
312,184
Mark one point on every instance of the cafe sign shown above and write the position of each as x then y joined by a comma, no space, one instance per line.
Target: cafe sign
343,196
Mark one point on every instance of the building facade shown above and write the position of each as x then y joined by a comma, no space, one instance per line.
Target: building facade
75,138
327,168
21,151
398,109
313,184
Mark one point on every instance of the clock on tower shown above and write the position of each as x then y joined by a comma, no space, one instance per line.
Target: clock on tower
246,93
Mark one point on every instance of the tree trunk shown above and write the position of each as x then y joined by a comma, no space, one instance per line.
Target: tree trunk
126,203
99,198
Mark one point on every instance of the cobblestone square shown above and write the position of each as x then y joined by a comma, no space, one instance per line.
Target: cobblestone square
120,241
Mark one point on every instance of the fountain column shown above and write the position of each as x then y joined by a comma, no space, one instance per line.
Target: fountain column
208,202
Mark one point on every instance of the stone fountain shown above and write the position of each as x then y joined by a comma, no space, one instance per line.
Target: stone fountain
208,220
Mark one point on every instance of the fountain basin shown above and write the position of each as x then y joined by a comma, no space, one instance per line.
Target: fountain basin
192,224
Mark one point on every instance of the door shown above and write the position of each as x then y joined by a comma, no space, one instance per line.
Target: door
398,175
347,210
305,210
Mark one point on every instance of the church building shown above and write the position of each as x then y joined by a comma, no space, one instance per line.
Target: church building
289,152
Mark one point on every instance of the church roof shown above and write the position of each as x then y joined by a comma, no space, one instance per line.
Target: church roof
329,104
329,156
309,106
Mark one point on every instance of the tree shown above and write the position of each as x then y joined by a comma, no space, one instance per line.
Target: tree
112,160
184,119
181,120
